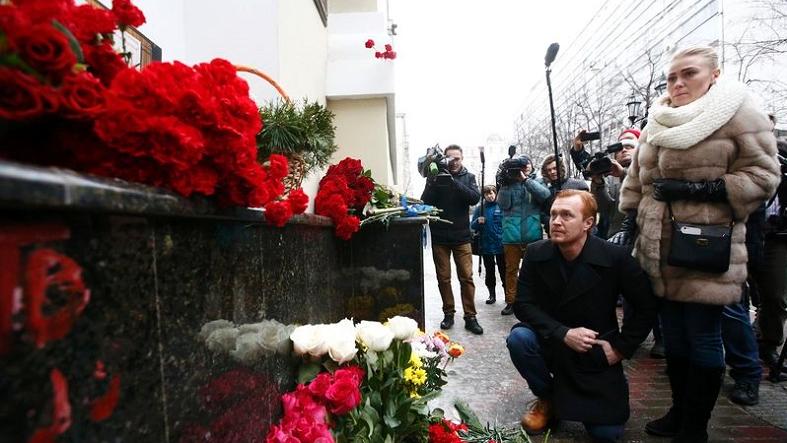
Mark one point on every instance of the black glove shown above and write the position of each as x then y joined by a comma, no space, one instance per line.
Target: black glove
667,190
628,231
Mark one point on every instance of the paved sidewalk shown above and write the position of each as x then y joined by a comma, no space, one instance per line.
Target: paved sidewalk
487,380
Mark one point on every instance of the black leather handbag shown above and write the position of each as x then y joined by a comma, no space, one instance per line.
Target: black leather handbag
475,242
703,248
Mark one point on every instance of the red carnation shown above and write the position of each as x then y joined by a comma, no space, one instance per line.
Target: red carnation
388,48
103,61
298,201
347,227
88,21
378,54
127,14
40,11
82,96
46,50
277,213
369,44
277,168
22,96
12,21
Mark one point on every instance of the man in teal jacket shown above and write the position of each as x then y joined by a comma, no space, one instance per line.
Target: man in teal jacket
520,199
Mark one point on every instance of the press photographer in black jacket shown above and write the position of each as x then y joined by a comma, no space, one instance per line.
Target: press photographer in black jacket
454,193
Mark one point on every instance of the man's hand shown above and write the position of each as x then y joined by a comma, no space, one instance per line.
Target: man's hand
617,170
580,339
578,145
481,220
613,356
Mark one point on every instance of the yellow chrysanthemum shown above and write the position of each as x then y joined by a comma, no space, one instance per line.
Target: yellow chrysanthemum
414,394
415,360
415,376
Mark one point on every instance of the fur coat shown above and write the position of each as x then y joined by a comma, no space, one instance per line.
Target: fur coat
721,135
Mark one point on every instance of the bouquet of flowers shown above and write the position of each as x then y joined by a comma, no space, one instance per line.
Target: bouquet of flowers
364,383
343,193
387,204
68,99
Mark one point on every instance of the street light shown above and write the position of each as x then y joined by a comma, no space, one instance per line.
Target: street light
661,86
633,107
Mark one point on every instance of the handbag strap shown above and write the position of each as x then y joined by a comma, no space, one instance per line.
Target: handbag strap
672,218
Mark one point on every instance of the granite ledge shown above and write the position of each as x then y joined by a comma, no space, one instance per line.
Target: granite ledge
28,187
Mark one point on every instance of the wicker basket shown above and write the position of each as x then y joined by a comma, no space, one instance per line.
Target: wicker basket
296,164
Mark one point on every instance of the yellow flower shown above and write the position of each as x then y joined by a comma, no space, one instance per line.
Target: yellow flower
415,376
415,360
442,336
414,394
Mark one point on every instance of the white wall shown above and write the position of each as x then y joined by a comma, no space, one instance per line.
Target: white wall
362,133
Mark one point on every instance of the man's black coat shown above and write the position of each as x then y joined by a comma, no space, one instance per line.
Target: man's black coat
586,388
455,199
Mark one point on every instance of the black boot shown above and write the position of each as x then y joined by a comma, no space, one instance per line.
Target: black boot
471,324
703,386
491,300
670,424
508,310
448,321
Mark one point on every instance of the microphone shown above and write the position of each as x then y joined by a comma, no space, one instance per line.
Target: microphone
511,151
481,151
551,54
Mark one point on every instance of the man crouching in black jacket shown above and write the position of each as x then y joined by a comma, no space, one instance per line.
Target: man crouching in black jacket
454,197
568,346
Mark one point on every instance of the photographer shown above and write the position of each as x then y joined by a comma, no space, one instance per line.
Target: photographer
607,177
549,178
520,198
454,190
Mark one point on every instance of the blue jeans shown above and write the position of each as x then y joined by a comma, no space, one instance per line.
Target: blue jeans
740,344
528,358
692,331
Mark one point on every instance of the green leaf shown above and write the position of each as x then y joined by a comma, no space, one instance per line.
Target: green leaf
468,415
308,371
72,41
392,422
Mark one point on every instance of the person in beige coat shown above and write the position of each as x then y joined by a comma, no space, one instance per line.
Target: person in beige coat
708,153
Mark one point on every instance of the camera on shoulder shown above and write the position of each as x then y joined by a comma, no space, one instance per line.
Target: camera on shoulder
434,166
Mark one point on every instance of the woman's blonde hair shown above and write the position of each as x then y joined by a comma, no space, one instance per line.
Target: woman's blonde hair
709,54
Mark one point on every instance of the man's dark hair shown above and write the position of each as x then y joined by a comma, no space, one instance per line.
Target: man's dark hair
455,148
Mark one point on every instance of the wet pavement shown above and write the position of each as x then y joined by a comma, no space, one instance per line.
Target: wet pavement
486,379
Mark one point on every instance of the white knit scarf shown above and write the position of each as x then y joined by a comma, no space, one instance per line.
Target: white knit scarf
685,126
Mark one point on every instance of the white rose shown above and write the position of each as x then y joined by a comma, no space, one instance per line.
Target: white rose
403,327
309,339
248,349
374,335
341,341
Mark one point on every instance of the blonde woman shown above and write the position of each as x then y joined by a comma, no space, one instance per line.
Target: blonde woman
707,157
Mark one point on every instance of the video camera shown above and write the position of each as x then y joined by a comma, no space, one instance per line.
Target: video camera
510,169
434,165
600,163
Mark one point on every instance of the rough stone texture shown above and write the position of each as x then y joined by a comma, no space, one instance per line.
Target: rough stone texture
154,278
486,379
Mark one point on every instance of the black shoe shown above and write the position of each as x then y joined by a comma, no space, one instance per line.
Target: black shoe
667,426
448,321
508,310
745,393
769,356
471,324
657,351
492,298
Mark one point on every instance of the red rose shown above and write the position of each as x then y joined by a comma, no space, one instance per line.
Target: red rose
320,384
40,11
103,61
21,96
351,167
354,373
298,201
88,21
369,44
12,20
277,213
127,14
347,227
388,48
46,50
343,396
82,96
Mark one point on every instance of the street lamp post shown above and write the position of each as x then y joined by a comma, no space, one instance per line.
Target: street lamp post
661,86
633,106
548,59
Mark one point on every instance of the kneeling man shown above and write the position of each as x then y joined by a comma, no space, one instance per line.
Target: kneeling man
568,346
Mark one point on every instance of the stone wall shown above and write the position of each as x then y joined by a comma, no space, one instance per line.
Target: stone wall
105,286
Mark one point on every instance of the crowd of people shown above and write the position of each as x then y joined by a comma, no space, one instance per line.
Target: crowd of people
685,225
